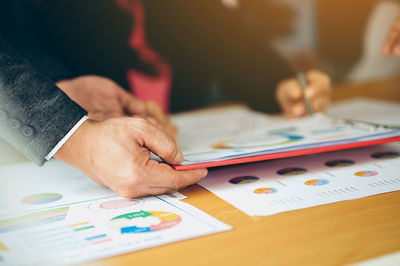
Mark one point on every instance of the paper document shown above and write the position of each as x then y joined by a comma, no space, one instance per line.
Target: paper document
373,110
294,183
56,215
239,132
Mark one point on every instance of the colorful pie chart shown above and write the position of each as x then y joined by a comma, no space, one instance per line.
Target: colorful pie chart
339,163
265,190
144,221
365,173
243,180
292,171
385,155
41,198
316,182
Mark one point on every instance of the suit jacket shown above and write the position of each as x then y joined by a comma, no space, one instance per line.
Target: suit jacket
34,113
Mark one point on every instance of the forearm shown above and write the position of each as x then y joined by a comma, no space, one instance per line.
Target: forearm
35,114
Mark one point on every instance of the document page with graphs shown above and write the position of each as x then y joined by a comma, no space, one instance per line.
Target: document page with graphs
56,215
271,187
238,135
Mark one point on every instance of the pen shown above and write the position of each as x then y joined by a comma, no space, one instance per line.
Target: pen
301,77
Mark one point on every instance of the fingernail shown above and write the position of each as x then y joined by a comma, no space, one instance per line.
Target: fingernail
179,157
205,172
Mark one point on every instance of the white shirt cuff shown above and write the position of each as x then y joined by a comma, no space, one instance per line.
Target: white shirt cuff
65,138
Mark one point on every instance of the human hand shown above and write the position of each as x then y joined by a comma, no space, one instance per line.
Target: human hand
116,154
104,99
391,44
290,95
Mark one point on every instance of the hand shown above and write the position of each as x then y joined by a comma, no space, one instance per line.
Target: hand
104,99
101,97
291,98
392,42
116,154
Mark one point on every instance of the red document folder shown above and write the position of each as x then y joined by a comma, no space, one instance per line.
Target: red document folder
286,154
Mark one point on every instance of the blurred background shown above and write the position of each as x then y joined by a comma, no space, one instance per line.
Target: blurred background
221,50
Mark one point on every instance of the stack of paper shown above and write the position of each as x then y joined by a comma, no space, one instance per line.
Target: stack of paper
294,183
56,215
217,138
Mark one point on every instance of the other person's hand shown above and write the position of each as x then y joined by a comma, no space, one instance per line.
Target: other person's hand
391,44
290,95
104,99
116,154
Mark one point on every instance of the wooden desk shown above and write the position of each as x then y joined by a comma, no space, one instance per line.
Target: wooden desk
333,234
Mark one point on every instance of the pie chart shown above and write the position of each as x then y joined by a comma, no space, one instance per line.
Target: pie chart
365,173
339,163
144,221
292,171
385,155
243,180
42,198
316,182
265,190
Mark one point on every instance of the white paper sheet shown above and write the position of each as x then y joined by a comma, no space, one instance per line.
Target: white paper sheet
56,215
238,132
367,109
276,186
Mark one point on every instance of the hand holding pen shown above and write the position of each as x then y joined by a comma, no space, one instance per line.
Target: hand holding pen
305,94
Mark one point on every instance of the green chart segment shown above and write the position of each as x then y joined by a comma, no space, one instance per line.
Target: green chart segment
129,223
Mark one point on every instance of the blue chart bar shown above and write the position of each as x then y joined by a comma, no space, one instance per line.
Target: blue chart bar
95,237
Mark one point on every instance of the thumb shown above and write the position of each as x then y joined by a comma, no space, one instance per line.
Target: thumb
159,143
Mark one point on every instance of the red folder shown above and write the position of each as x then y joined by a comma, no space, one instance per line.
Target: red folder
286,154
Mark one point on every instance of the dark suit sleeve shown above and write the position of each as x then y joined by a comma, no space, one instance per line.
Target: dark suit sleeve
34,113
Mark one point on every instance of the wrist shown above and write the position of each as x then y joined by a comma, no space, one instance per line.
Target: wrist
70,149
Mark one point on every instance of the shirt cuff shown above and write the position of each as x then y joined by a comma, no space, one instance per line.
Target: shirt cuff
65,138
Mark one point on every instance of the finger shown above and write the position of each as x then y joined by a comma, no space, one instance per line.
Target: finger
320,104
319,83
289,91
157,141
387,45
154,122
166,179
297,110
395,40
390,41
396,49
131,104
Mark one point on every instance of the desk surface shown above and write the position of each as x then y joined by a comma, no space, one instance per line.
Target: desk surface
333,234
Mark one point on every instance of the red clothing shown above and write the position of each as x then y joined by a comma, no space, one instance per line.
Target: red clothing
145,87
